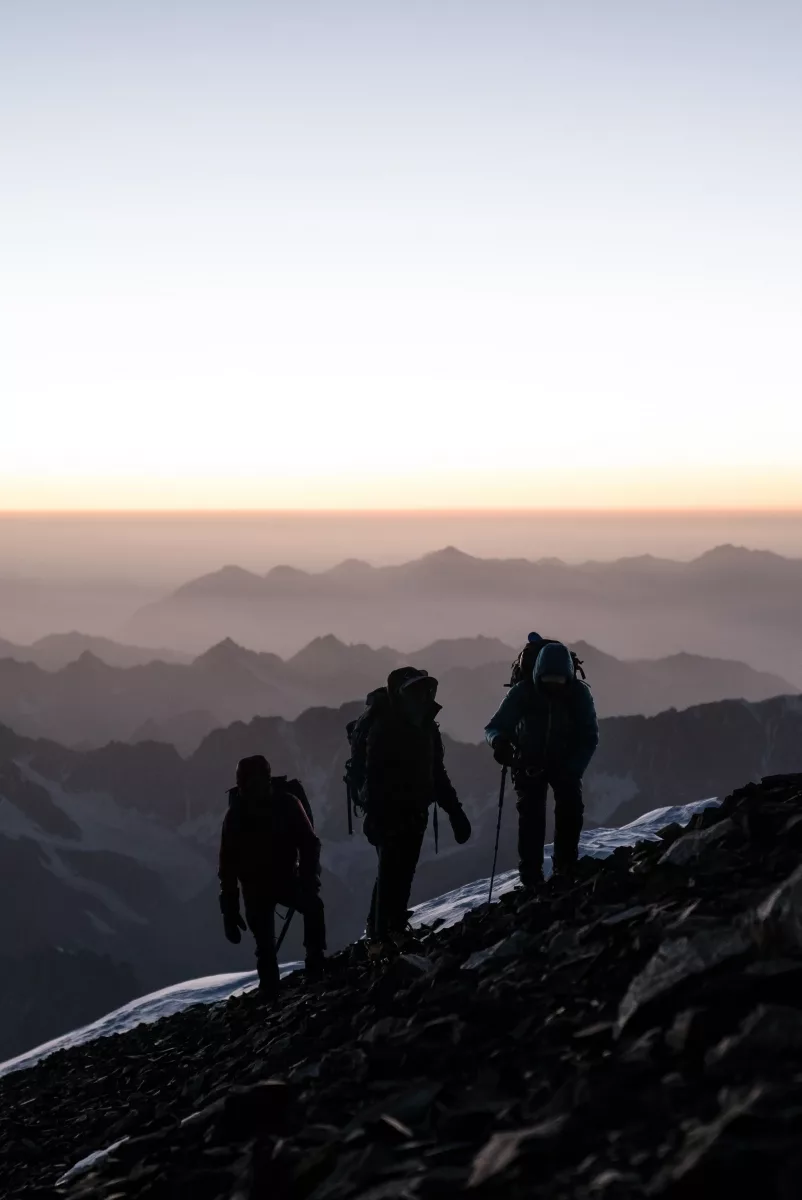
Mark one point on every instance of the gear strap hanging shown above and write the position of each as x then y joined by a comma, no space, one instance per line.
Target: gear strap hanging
498,830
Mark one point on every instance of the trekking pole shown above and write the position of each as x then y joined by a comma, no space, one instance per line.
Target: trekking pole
283,934
498,830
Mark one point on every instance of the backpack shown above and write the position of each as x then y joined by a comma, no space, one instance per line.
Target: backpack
289,787
524,666
294,787
355,767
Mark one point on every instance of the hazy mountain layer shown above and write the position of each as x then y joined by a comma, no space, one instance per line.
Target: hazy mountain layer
56,650
731,603
88,703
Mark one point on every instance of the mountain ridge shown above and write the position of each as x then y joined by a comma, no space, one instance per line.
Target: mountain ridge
730,602
89,702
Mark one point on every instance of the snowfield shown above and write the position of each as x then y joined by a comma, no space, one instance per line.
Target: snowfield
443,911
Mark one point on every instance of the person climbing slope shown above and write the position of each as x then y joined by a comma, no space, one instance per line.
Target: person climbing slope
269,849
547,732
404,775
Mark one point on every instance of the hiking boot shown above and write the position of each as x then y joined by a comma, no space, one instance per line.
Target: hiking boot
380,949
563,876
406,940
267,992
531,880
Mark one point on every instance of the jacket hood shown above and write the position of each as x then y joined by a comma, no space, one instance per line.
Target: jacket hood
554,665
404,677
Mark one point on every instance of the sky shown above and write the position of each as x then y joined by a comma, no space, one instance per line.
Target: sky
395,254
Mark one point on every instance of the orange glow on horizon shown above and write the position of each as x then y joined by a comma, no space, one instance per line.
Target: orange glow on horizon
689,489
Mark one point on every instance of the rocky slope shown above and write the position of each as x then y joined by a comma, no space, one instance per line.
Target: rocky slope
637,1034
113,851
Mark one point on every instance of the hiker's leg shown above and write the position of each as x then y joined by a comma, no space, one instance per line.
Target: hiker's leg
370,924
398,859
531,791
386,888
408,854
310,906
568,813
261,922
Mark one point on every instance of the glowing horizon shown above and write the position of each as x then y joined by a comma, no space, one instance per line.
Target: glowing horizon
739,490
401,257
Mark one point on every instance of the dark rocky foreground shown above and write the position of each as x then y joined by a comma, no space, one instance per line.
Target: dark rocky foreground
639,1034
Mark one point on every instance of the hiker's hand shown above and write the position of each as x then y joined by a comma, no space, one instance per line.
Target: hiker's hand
232,924
460,825
503,751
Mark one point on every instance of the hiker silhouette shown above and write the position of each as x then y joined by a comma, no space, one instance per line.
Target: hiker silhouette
396,773
547,732
269,849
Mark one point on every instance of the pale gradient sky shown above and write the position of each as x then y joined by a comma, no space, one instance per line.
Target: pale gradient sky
392,253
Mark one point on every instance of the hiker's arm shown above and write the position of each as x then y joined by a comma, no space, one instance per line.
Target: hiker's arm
587,730
308,844
505,720
445,793
227,868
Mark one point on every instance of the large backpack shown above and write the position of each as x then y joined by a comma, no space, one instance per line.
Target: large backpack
289,787
355,768
524,666
294,787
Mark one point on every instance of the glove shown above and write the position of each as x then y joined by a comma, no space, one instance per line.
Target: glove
232,924
232,918
460,825
504,751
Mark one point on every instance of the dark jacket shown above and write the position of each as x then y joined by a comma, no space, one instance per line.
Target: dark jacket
560,733
405,772
268,848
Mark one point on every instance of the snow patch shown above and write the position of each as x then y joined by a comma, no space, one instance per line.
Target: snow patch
597,843
165,1003
91,1160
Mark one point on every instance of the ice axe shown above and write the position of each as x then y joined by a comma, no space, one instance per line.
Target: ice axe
498,830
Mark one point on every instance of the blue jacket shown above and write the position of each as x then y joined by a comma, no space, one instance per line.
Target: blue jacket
561,733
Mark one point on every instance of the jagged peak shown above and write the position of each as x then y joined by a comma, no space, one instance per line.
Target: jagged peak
448,554
351,566
88,661
227,651
729,554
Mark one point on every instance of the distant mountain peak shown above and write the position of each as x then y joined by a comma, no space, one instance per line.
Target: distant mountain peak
284,571
351,566
229,580
728,553
87,661
232,571
227,651
449,554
